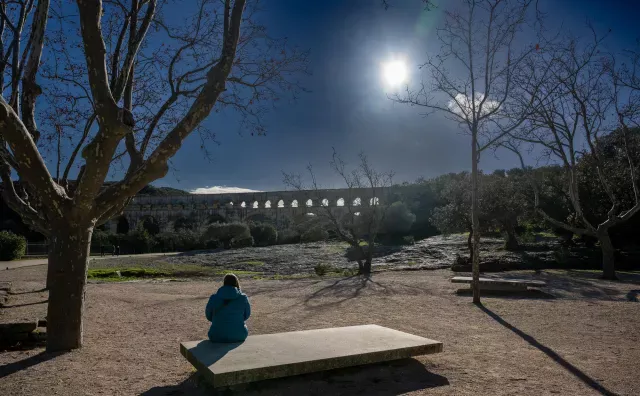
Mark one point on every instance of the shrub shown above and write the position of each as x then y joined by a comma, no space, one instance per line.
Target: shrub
225,233
322,269
314,234
264,234
139,241
288,236
100,238
241,242
12,246
398,219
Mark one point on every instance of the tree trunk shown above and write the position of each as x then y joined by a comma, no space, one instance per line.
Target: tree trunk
608,255
475,221
470,244
68,259
511,242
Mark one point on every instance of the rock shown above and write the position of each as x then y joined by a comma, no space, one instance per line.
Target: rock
17,327
5,286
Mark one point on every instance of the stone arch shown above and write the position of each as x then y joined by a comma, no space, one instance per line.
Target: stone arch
123,225
281,204
294,203
150,224
216,218
267,204
324,202
258,217
357,202
340,202
309,203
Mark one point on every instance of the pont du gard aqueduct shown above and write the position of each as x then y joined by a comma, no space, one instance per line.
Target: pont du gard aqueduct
280,208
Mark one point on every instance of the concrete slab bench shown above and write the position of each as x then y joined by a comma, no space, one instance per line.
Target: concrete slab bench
501,284
268,356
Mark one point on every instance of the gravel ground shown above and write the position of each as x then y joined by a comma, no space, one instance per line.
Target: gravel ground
579,339
300,259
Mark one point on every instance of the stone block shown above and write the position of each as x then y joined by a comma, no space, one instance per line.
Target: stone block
18,327
501,284
268,356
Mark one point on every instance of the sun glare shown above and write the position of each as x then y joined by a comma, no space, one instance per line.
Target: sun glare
394,72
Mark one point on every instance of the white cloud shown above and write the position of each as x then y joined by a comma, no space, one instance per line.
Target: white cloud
462,104
221,190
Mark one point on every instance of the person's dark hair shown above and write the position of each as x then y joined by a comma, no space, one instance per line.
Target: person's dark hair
231,280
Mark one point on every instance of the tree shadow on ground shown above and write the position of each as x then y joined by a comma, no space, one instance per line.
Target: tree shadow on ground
579,374
12,368
577,284
587,285
383,379
344,289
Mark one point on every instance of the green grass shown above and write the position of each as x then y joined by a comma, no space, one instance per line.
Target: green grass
254,263
161,270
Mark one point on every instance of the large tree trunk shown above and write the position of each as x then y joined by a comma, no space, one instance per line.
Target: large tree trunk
608,255
68,276
470,244
475,221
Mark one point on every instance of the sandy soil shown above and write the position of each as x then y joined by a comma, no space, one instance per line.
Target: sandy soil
579,339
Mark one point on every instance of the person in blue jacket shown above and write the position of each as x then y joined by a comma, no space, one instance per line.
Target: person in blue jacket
227,311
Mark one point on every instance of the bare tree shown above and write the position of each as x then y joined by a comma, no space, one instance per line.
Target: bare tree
585,97
470,81
365,206
142,87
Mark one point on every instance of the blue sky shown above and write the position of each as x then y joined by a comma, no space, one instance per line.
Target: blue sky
347,107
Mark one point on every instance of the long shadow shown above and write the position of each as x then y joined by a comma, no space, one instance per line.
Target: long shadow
346,288
12,368
581,375
385,379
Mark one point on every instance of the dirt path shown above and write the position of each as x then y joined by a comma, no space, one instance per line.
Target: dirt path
582,342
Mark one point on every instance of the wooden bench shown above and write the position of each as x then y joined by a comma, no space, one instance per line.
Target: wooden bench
501,284
268,356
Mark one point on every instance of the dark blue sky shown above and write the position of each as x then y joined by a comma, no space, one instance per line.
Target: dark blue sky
347,107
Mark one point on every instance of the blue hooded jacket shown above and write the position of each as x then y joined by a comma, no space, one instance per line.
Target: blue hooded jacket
227,310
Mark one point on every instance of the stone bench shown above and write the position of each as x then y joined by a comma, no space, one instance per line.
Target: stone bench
268,356
501,284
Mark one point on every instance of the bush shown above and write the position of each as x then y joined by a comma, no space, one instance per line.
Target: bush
225,233
322,269
12,246
288,236
398,219
314,234
264,234
139,241
241,242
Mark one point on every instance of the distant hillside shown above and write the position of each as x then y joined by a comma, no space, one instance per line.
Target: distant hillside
153,191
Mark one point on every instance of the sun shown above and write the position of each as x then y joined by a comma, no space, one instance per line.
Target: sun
394,72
